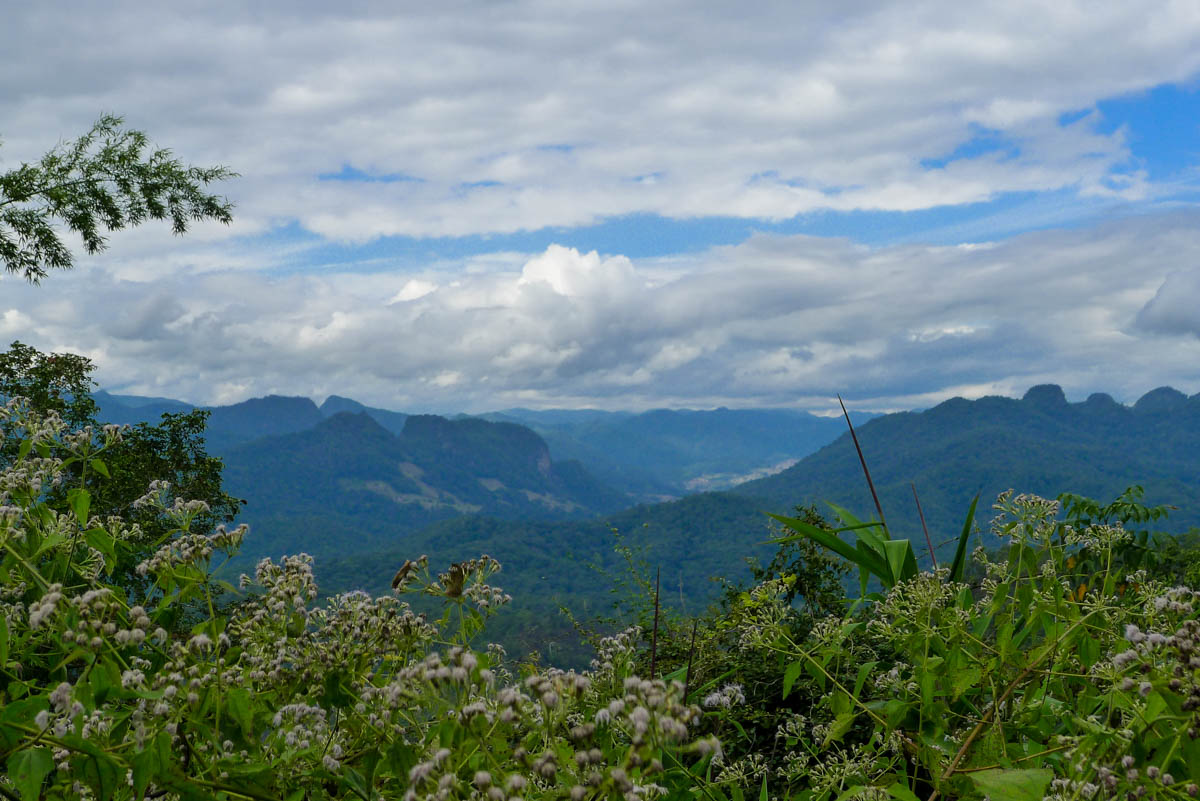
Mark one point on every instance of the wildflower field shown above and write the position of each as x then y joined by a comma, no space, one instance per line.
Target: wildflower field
1062,665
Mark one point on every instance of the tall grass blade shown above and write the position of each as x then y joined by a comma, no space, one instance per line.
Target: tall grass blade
862,459
960,553
925,528
687,677
654,635
864,558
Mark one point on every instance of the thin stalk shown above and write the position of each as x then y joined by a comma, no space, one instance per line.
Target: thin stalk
654,634
687,676
925,528
862,459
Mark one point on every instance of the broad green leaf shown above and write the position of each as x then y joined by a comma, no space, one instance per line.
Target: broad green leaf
102,541
819,535
81,501
762,794
238,703
900,791
864,672
1088,651
901,560
791,674
960,552
27,769
145,767
962,680
1155,707
354,780
1028,784
837,730
23,449
100,467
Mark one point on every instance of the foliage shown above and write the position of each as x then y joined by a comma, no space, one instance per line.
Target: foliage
103,181
170,455
1066,673
279,697
51,382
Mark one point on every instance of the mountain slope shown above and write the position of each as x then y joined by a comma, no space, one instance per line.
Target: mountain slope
1040,444
574,564
349,485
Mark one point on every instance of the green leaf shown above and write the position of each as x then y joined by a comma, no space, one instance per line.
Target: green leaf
3,642
791,674
238,703
354,780
145,767
102,541
867,561
864,672
901,560
24,448
28,768
900,791
837,730
1155,707
100,467
81,501
1027,784
960,552
1088,651
962,680
762,794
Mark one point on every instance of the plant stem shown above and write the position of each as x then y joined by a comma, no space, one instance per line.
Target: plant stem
866,472
654,635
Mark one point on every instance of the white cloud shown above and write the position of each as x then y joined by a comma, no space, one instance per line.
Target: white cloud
527,115
776,320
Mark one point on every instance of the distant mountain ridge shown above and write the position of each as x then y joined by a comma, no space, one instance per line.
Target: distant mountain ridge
349,485
672,452
1039,444
654,455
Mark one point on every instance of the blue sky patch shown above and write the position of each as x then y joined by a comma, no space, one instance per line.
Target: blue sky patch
349,173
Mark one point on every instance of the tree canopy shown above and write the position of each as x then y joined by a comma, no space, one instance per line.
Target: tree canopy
104,181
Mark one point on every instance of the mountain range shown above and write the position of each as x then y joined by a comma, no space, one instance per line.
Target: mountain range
363,489
343,478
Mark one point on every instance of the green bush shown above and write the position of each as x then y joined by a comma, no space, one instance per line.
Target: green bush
278,697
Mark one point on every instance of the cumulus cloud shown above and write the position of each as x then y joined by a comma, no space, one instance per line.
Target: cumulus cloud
778,320
526,115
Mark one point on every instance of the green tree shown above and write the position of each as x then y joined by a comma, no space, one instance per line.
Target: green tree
171,450
104,181
51,382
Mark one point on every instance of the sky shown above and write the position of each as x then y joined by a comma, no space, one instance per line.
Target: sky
466,206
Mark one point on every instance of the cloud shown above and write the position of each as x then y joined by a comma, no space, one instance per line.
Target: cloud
1175,307
777,320
522,116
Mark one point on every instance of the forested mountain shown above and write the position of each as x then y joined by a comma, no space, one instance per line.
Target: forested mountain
1040,444
652,456
348,485
237,423
575,563
675,451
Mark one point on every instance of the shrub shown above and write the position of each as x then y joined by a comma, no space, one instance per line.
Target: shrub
278,697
